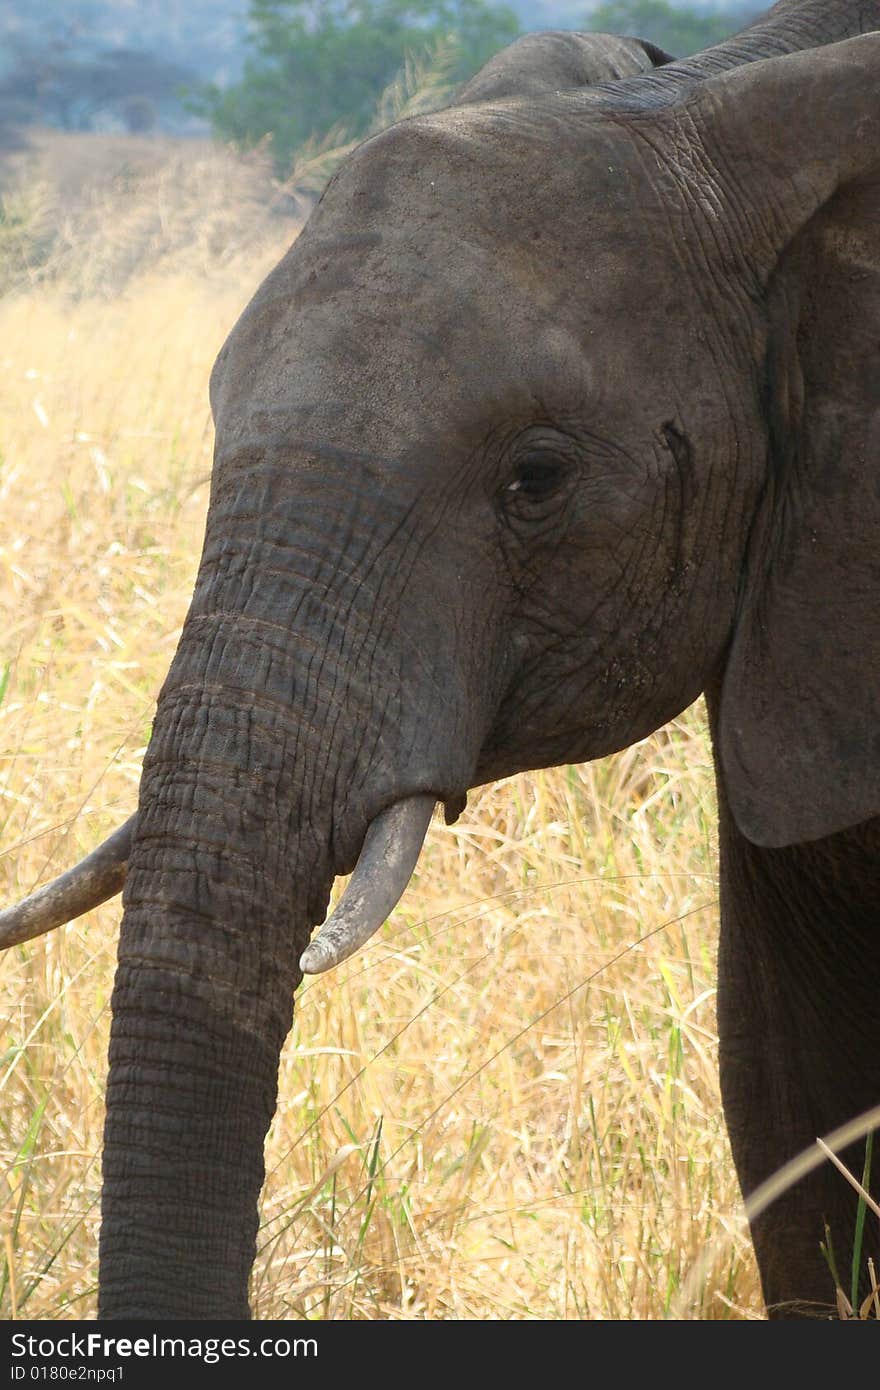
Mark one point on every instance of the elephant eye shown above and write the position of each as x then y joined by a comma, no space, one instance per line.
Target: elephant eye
536,478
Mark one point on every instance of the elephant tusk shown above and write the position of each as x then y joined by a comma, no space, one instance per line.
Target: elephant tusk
383,870
88,884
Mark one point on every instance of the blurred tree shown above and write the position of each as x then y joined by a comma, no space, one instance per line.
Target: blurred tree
679,29
317,64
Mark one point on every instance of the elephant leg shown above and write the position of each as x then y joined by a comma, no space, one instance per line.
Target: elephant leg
799,1028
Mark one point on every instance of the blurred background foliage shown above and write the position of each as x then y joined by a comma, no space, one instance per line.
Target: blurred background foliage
316,64
321,65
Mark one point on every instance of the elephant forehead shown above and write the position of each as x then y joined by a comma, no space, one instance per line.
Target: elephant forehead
353,327
529,158
369,383
473,204
437,274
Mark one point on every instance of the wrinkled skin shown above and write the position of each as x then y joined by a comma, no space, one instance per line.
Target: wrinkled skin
563,408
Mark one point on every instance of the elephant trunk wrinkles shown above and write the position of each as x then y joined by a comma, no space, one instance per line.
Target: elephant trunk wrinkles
275,745
218,905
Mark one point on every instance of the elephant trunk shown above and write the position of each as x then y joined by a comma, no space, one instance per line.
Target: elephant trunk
219,901
296,715
190,1097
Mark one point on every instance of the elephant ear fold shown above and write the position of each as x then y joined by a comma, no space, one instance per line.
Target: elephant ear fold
658,56
799,726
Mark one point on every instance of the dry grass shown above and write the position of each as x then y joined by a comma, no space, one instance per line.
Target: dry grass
86,214
507,1106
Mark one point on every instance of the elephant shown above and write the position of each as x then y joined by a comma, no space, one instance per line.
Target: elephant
558,60
563,409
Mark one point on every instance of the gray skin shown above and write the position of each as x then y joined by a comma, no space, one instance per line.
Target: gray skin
562,409
556,61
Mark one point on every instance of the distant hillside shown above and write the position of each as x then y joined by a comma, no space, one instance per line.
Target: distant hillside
205,36
113,65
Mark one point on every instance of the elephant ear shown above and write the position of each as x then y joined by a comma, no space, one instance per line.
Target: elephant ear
799,728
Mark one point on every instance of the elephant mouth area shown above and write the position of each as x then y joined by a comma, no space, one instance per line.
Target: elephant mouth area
387,859
346,849
453,806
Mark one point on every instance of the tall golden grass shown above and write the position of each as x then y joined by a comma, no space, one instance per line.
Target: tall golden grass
507,1105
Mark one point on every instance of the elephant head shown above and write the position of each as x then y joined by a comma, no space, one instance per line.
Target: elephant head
530,438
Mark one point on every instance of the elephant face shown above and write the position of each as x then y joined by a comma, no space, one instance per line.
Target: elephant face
469,376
